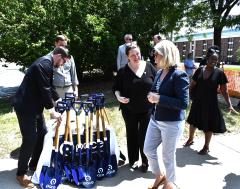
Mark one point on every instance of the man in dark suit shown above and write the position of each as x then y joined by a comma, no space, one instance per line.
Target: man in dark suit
156,39
34,94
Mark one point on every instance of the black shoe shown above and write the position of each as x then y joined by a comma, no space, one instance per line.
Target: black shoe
134,166
121,162
144,168
122,156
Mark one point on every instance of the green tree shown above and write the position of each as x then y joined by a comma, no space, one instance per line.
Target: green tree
144,18
95,28
213,14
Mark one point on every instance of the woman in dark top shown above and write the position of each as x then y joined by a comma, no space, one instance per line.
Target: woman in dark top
205,113
132,84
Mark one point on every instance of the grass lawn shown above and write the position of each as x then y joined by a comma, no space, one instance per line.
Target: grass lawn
10,136
232,67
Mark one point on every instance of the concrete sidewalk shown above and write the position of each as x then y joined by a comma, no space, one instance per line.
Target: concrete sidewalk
220,169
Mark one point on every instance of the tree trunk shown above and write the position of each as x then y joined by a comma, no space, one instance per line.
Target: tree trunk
217,36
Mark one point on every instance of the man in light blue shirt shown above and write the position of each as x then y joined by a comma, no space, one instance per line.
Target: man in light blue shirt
65,77
189,65
122,59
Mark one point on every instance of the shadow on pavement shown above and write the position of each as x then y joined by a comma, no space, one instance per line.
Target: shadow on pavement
8,181
124,174
232,181
188,156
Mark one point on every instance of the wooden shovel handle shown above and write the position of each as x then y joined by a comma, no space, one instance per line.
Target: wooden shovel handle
69,127
91,127
66,128
86,131
103,124
105,113
97,124
78,130
56,139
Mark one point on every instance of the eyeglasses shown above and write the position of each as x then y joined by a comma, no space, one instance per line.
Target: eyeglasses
129,39
64,59
214,50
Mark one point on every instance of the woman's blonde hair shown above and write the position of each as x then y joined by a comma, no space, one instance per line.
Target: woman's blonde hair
170,53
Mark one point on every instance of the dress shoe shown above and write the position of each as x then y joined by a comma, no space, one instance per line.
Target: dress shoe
134,166
24,181
122,156
144,168
204,151
188,143
121,162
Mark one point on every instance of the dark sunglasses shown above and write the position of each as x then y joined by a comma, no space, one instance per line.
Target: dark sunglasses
214,50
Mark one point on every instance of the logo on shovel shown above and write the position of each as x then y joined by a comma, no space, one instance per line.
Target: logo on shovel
53,181
110,170
100,172
52,184
87,178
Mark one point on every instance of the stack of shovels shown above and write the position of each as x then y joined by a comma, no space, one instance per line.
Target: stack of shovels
85,155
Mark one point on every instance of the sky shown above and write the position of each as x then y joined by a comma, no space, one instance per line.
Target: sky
235,10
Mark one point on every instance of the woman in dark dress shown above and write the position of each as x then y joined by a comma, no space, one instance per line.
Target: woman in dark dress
132,84
205,113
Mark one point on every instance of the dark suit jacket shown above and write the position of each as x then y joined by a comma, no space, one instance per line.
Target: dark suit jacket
174,96
36,91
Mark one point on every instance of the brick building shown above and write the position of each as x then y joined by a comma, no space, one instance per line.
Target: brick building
200,42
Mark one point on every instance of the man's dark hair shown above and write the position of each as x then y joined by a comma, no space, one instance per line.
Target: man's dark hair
63,51
129,47
212,50
61,38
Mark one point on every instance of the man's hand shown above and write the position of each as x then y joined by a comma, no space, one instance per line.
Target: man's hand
56,115
122,99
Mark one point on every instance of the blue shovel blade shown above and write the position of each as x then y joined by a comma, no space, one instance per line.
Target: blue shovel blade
42,175
89,176
52,178
80,174
100,168
111,164
67,172
75,176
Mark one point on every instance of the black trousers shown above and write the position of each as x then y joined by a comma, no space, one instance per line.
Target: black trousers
136,128
33,130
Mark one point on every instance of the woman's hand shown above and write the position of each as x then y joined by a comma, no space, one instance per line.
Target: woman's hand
123,99
153,97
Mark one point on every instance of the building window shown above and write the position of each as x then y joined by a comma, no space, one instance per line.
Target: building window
230,51
184,50
204,48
